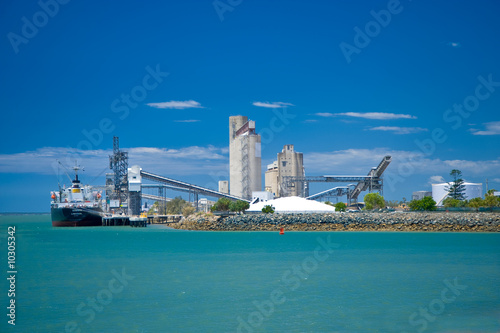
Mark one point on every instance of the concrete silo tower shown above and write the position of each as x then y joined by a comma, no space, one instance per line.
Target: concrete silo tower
244,157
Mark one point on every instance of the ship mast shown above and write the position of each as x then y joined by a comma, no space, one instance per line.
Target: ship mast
76,168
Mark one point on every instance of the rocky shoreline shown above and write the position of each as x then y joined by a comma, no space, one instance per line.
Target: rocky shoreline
359,221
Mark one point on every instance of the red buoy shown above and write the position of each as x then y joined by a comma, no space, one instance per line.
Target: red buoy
282,231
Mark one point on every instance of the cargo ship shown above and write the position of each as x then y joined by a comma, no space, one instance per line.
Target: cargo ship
76,206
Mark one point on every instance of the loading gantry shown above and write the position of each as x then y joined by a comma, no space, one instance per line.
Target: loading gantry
372,182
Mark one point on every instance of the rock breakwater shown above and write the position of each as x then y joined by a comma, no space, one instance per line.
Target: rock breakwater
364,221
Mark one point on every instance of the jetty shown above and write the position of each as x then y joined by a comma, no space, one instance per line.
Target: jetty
139,221
163,219
121,220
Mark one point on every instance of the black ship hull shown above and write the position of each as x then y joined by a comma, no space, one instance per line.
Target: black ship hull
76,217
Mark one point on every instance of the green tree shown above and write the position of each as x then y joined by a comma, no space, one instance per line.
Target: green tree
414,205
457,188
222,204
239,206
175,206
340,207
374,201
188,210
268,209
452,203
392,203
475,203
328,203
491,201
426,203
153,209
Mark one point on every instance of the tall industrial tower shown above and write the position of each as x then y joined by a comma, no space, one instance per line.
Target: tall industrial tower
118,162
244,157
289,163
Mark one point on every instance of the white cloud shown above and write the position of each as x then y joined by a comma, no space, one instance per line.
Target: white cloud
192,160
492,128
436,180
399,130
405,163
324,114
210,160
272,105
176,105
454,44
348,162
369,115
187,121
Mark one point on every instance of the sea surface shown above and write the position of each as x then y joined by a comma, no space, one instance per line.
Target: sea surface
154,279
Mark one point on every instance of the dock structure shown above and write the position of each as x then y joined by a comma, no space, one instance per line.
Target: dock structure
163,219
109,221
142,221
138,221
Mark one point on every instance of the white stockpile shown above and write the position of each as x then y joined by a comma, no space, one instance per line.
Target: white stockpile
293,205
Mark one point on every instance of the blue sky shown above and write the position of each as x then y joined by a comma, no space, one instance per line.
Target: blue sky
346,82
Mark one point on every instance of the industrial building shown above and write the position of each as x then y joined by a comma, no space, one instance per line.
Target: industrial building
134,190
204,205
244,157
419,195
224,186
440,191
289,164
126,188
271,178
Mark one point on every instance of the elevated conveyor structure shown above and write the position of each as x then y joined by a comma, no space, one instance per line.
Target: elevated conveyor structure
372,182
375,182
197,190
165,187
155,197
333,192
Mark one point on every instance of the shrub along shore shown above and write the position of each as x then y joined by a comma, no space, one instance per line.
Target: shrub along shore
359,221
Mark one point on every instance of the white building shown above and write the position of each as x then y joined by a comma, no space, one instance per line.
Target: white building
134,187
440,191
224,186
244,157
419,195
204,205
262,196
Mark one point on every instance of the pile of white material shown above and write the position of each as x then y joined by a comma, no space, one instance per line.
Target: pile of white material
293,205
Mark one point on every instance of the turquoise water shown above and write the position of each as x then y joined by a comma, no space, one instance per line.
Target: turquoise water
184,281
